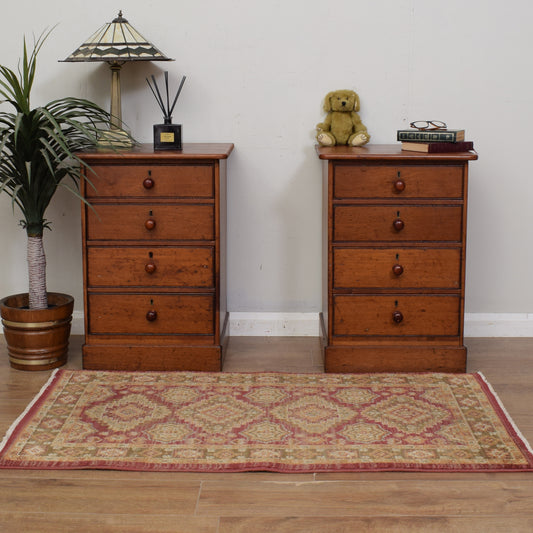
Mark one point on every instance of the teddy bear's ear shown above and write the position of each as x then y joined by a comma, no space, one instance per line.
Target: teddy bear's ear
327,102
356,101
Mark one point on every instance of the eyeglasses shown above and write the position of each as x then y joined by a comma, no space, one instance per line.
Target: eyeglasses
424,125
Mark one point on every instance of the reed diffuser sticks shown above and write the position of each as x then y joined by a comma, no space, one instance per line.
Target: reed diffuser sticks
167,110
167,136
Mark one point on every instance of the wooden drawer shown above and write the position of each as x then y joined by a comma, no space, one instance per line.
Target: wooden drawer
183,181
436,315
156,266
396,268
376,223
393,181
172,222
176,314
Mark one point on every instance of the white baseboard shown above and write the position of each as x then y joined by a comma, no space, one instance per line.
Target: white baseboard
78,324
274,324
306,324
498,325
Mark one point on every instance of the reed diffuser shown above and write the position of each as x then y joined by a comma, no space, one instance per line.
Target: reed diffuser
167,136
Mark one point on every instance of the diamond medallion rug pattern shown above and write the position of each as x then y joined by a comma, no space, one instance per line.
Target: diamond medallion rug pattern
231,422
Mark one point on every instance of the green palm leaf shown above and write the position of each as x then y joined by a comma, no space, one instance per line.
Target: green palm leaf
38,146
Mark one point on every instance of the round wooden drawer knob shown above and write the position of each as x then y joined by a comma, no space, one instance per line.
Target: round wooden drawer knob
397,270
397,317
150,224
151,315
148,183
399,185
150,267
398,224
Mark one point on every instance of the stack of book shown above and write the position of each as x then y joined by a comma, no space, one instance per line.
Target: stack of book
434,141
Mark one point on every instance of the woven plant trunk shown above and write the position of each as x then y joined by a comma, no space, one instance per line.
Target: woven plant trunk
37,339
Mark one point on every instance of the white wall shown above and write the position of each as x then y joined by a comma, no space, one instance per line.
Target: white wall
257,72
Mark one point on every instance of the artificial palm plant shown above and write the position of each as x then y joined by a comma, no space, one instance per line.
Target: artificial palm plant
38,154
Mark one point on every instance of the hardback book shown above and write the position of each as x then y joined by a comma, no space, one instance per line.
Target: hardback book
438,147
449,136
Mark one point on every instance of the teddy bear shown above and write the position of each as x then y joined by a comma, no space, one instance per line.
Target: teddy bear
342,124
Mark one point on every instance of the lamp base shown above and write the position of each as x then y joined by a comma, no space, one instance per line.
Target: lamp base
115,139
167,137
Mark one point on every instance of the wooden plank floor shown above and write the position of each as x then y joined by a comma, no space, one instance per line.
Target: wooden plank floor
108,501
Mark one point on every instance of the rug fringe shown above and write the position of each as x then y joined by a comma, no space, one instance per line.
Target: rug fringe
13,426
504,411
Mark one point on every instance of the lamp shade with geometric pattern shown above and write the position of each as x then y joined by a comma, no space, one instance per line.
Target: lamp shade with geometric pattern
116,42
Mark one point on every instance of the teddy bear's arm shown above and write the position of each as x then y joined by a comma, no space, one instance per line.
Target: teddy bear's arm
357,123
360,135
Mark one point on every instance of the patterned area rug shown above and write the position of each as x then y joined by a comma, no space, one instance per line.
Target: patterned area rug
231,422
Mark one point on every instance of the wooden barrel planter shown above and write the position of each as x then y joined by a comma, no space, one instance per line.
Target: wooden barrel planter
37,339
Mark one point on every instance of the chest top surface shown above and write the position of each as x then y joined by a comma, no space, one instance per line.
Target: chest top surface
383,152
142,152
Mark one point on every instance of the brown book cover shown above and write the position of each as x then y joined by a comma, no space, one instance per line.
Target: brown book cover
438,147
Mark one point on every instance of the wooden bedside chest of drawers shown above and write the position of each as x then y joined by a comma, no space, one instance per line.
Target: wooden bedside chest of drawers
394,233
154,258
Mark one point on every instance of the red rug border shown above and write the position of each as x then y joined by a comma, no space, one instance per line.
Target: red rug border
17,426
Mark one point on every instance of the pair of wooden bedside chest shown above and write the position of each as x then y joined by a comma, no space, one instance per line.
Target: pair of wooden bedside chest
154,259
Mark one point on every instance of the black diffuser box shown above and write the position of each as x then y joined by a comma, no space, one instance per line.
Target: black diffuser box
167,137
